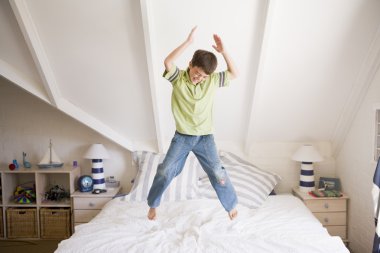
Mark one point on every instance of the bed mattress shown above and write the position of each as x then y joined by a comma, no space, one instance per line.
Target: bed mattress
282,224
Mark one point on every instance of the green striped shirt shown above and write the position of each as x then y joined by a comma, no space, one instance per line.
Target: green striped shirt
192,105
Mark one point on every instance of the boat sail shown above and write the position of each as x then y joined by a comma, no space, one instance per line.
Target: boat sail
50,159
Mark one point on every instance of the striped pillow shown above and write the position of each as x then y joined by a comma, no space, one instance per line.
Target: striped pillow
182,187
252,185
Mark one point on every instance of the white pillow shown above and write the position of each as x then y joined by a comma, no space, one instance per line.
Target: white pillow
182,187
252,185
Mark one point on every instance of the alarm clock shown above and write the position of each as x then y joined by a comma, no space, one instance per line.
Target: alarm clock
85,183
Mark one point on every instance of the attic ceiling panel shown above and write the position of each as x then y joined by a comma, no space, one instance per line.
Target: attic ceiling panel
14,51
237,25
96,51
313,56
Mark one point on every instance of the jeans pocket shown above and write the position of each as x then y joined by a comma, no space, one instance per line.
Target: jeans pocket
176,137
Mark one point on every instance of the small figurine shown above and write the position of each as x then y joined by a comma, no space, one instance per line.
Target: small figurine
25,162
57,193
12,166
15,163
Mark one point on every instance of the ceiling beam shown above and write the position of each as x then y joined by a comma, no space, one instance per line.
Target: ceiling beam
15,76
28,29
258,71
146,13
362,83
41,60
94,123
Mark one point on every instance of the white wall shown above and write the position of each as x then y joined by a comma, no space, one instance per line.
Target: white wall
225,18
276,157
356,166
27,123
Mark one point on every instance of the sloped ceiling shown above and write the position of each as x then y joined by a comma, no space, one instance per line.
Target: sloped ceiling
304,65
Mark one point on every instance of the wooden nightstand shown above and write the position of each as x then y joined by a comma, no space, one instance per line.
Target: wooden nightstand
87,205
331,212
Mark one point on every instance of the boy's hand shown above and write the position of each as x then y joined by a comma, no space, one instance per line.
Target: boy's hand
176,52
219,44
190,38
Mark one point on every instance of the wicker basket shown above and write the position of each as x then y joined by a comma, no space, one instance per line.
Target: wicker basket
55,223
22,223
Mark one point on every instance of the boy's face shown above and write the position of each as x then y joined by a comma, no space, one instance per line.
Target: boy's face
196,74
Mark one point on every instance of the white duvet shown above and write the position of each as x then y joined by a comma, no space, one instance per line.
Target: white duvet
283,224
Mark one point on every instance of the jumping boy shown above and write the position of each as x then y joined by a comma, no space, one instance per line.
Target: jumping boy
192,105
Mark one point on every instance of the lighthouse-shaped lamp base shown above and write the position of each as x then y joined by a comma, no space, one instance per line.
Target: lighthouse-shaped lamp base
307,177
98,174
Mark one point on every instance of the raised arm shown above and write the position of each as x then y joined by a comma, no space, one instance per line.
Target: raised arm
178,51
220,49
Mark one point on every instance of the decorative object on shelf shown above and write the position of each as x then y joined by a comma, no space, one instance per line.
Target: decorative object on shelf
15,163
111,182
57,193
25,194
25,162
329,183
307,154
85,183
50,159
97,153
11,166
98,191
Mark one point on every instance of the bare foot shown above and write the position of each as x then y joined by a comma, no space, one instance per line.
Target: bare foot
232,214
152,214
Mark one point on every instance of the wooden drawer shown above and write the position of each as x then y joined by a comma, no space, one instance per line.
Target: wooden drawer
326,205
81,216
332,218
338,231
90,203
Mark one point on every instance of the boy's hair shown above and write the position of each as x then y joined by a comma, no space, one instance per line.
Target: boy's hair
205,60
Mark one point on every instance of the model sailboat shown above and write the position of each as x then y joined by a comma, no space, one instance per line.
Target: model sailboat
50,159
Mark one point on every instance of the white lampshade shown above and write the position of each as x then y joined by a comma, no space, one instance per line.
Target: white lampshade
307,153
97,151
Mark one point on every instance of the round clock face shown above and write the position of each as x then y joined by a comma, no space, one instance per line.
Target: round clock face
85,183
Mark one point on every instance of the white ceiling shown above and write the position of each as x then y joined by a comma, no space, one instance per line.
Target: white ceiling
304,65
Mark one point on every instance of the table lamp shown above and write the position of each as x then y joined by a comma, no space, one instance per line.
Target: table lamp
307,154
97,153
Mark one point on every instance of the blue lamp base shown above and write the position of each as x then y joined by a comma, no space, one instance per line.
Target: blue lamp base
98,174
307,183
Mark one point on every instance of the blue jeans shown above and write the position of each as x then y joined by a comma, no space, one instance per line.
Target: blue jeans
205,150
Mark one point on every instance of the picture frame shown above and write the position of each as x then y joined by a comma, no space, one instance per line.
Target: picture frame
329,183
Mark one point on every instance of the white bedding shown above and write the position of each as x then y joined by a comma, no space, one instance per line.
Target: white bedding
283,224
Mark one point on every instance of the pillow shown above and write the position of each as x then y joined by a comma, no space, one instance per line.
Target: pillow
182,187
252,185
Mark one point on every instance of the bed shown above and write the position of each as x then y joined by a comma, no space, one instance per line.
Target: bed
191,219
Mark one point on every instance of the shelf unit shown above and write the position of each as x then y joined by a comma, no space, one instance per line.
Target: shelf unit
330,211
43,179
86,205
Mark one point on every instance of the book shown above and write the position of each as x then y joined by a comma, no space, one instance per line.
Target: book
326,193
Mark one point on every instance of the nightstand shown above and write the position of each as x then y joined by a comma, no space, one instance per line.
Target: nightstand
331,212
87,205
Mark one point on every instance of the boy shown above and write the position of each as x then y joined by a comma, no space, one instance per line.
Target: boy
192,103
